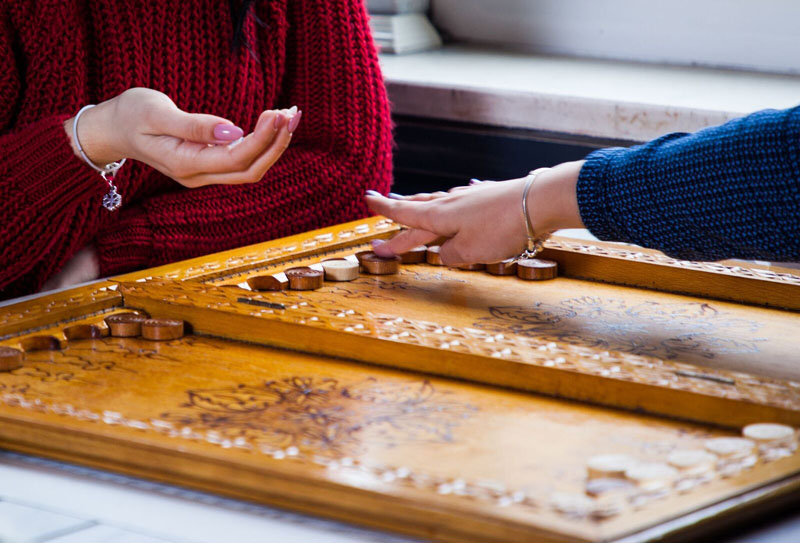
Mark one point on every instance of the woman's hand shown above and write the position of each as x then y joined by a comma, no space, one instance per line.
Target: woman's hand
193,149
484,222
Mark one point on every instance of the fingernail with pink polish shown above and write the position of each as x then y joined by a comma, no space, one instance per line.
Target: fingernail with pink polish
295,121
278,121
474,181
373,193
395,196
227,132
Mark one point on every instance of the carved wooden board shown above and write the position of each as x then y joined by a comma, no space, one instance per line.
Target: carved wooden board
222,409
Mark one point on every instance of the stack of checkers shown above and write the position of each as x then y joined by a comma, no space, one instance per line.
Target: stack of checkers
378,265
337,269
733,454
773,440
615,481
134,325
119,325
300,278
530,269
693,463
348,268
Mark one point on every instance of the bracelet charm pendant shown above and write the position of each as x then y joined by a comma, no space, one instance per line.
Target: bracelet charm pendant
113,200
533,249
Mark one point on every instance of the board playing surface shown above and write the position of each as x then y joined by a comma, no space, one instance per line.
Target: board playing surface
228,408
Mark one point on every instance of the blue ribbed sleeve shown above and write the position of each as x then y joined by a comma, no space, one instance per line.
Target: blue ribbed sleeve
730,191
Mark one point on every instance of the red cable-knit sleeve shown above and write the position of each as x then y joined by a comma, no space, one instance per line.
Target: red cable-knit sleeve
45,190
342,148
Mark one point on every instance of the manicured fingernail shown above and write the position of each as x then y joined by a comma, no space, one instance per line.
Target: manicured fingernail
373,193
474,181
227,132
294,122
278,121
292,110
396,196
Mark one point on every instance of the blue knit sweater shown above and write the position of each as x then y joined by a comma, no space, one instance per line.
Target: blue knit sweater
731,191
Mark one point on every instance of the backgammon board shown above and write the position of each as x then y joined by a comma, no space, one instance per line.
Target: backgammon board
446,404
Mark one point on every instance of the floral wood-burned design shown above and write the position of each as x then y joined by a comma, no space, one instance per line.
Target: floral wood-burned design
76,365
666,331
19,388
324,415
88,361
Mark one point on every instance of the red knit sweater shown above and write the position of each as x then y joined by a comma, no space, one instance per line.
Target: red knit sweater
57,56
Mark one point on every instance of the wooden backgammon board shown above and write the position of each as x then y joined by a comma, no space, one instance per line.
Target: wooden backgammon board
607,404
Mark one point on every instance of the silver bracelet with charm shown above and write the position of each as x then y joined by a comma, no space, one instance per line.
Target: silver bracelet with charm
113,199
534,243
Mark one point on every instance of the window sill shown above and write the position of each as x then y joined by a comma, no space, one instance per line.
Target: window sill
576,97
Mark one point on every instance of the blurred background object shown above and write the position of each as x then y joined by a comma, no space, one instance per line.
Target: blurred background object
402,26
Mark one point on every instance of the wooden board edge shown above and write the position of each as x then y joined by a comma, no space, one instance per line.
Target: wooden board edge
62,307
293,491
217,265
701,279
555,382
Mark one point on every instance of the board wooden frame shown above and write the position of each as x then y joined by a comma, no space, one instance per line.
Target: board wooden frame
214,310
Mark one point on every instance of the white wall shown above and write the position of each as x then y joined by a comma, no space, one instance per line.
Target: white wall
747,34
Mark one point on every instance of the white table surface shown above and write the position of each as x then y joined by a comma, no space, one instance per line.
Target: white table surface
45,501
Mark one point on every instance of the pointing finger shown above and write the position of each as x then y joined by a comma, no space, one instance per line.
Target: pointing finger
407,212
